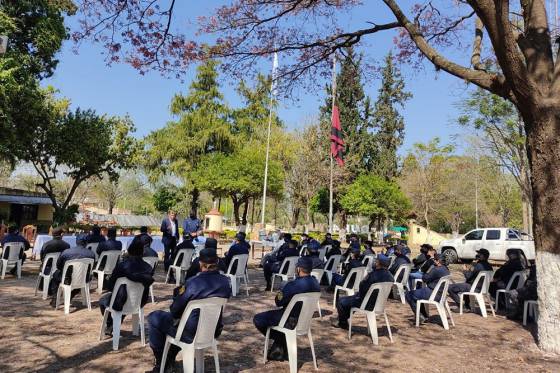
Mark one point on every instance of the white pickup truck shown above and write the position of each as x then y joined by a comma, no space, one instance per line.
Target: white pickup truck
498,241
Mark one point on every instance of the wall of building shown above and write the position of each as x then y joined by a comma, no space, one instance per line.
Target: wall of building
45,213
5,211
418,235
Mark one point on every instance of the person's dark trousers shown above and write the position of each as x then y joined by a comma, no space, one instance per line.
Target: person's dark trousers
267,271
456,289
344,305
161,324
418,294
168,249
104,302
267,319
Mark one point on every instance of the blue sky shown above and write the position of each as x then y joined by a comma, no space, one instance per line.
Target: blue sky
119,89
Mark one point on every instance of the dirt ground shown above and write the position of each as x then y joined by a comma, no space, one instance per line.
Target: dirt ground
36,338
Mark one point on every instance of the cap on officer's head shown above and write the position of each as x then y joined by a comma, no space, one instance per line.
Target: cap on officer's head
211,243
484,252
81,239
384,260
240,236
208,255
305,263
355,249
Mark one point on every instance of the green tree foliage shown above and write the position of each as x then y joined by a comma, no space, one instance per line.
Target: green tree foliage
166,197
76,145
202,128
376,198
35,30
389,123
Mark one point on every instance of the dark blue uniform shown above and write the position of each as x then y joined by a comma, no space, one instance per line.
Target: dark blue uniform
344,304
470,276
169,240
264,320
399,260
144,238
134,269
148,251
191,226
339,279
77,252
56,245
239,248
110,244
274,262
204,285
430,279
333,251
11,237
95,238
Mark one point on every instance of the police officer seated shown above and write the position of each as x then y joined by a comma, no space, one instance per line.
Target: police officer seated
312,252
287,237
481,264
505,273
240,247
56,245
14,236
134,269
335,250
207,284
328,240
354,242
304,283
430,279
78,252
422,263
345,304
274,262
111,243
400,259
143,237
306,239
518,297
355,261
194,269
95,236
368,248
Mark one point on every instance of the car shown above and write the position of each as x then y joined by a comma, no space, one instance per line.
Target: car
498,241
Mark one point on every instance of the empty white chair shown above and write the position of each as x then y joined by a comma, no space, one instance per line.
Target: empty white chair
93,247
330,267
110,259
368,262
181,263
351,283
441,305
287,270
481,295
153,261
520,276
133,306
240,272
382,290
530,308
303,327
13,248
403,272
209,314
80,270
49,258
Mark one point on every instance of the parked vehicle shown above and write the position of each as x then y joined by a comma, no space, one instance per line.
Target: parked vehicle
498,241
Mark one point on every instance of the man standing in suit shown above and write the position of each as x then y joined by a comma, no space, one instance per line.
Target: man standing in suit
170,230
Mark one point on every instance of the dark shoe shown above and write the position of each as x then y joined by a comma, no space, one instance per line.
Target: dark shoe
337,324
423,319
53,302
277,353
13,271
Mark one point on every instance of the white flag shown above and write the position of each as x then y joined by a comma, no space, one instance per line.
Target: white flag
274,74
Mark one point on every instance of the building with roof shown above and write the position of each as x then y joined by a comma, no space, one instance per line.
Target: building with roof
23,207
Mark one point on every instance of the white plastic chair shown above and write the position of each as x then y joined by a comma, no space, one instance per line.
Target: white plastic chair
302,250
80,270
442,306
13,257
481,295
303,327
52,257
403,272
210,310
287,270
153,261
521,277
330,267
323,252
112,258
531,308
93,248
383,290
354,277
133,306
240,272
185,255
368,262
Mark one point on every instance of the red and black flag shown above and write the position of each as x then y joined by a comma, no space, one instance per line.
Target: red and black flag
337,144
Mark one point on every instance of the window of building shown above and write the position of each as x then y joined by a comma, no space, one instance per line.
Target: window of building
29,212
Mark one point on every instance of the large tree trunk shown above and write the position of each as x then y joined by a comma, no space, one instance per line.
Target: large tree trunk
236,206
543,140
111,206
526,200
195,193
295,217
245,211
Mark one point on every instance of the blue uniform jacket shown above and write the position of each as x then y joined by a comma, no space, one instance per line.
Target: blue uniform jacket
191,226
333,251
399,260
95,238
204,285
148,251
77,252
376,276
283,254
352,263
432,277
305,284
144,238
110,244
167,230
478,267
14,238
56,245
134,269
238,248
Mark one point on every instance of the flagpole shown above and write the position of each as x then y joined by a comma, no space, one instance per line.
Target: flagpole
333,91
272,88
